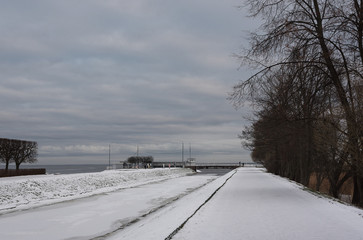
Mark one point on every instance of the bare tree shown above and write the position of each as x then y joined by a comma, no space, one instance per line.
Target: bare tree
329,36
17,151
331,152
6,152
140,159
25,152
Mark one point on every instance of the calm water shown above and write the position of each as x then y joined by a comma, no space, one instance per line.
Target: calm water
87,168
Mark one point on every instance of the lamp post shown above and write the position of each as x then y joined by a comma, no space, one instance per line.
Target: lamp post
183,154
109,156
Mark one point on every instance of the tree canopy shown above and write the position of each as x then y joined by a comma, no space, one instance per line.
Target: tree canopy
140,159
307,90
18,151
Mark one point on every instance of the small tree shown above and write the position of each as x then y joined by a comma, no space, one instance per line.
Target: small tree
6,151
26,152
140,159
17,151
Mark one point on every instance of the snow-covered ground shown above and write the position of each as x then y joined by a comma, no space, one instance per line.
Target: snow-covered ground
252,204
20,193
259,205
119,199
246,203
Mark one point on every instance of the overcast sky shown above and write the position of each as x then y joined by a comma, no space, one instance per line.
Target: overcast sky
78,75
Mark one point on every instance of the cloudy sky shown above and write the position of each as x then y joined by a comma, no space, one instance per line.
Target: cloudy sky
76,76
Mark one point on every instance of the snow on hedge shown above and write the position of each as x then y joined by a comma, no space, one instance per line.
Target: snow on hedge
26,192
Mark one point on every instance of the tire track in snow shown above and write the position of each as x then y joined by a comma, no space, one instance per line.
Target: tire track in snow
124,225
206,201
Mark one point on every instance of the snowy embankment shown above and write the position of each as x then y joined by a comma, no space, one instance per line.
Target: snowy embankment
19,193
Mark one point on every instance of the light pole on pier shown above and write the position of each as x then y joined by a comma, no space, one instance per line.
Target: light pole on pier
109,156
183,154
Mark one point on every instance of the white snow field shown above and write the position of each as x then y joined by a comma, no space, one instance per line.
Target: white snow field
257,205
254,205
246,203
19,193
68,207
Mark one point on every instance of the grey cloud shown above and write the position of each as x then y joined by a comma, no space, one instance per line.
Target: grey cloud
76,76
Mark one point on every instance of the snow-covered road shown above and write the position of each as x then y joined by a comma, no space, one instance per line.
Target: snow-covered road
100,214
25,192
252,204
246,203
258,205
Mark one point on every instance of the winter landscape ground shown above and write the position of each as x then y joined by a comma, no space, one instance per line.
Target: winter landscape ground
246,203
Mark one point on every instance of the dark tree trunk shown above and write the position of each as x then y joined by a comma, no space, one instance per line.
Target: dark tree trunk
17,166
358,191
7,166
319,180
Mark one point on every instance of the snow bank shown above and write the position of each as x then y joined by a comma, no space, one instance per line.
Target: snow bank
19,193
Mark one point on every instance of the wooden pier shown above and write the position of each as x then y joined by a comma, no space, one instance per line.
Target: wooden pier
196,166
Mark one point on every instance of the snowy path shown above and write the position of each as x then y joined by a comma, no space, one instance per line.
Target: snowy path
254,205
162,223
98,215
246,203
26,192
258,205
